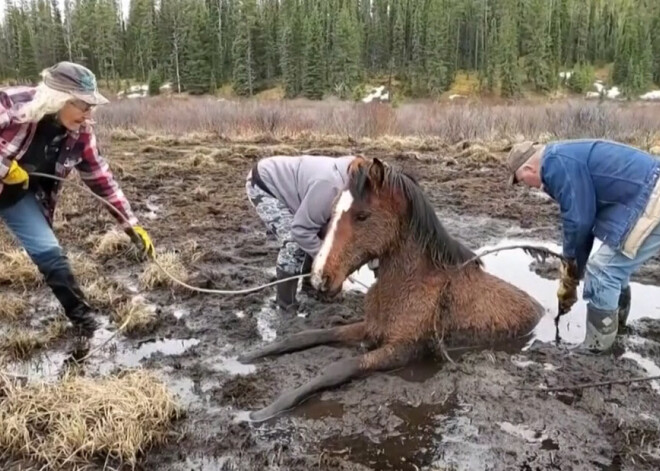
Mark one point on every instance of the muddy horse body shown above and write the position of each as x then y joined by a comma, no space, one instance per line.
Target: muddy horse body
427,293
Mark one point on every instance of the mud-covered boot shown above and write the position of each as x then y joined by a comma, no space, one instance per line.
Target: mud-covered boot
624,308
306,286
602,327
285,296
68,293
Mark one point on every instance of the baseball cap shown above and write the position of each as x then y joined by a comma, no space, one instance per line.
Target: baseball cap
519,154
74,79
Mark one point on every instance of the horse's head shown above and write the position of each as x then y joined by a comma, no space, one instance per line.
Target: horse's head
365,222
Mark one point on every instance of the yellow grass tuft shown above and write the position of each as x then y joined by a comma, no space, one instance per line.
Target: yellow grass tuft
102,293
78,420
112,243
84,268
17,269
12,306
153,276
199,160
19,344
136,314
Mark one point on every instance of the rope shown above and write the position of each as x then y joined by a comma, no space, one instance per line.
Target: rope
154,259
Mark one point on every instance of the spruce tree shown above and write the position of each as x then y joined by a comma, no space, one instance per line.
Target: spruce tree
244,73
196,70
27,70
345,73
313,85
508,45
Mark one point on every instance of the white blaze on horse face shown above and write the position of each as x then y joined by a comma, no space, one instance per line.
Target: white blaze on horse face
343,204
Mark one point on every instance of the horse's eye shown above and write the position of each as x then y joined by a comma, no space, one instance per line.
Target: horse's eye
362,216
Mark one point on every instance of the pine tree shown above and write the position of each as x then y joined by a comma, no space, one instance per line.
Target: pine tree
508,45
539,69
345,73
196,70
27,69
436,54
244,75
313,85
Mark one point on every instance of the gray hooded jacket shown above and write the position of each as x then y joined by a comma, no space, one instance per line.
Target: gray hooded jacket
308,186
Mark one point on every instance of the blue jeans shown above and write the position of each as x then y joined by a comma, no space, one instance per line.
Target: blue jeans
608,271
27,222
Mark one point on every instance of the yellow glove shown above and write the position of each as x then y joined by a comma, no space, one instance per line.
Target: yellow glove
567,292
16,176
145,241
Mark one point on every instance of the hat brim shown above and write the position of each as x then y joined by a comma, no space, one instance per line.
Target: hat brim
94,98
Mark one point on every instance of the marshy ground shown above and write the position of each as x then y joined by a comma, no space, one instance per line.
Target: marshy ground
189,193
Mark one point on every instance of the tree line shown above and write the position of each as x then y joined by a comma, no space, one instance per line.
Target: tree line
318,47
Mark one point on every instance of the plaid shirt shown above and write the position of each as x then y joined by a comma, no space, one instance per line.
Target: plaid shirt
79,150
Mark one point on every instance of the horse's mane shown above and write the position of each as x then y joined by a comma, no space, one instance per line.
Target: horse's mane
424,224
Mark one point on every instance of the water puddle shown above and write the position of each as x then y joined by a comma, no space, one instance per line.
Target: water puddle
232,366
647,365
316,409
514,267
412,445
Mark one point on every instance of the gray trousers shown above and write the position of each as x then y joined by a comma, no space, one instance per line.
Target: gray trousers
278,220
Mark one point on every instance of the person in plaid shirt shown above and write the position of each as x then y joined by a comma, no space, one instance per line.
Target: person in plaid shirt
46,129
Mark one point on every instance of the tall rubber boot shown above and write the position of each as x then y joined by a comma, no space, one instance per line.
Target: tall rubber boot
602,327
68,293
307,287
624,307
285,296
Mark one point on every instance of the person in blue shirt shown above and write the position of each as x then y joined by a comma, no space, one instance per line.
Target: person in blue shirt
605,190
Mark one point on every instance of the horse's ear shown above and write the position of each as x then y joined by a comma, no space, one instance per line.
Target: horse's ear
377,173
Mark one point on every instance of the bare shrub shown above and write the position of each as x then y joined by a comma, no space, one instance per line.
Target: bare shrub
197,119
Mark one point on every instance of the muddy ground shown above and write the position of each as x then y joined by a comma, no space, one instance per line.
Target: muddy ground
430,416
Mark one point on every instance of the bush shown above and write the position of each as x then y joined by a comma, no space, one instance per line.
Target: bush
154,83
582,79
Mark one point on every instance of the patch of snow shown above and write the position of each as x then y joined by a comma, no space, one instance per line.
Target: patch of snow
598,85
613,93
592,95
566,75
651,96
455,96
378,94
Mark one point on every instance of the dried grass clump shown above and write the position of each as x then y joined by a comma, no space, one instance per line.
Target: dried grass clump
113,243
137,315
102,293
84,268
12,306
124,135
77,420
201,193
17,269
199,160
153,276
19,344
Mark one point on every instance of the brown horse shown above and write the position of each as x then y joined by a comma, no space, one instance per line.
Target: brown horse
425,291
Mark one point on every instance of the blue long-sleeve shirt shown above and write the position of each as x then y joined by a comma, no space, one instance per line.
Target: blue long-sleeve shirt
602,188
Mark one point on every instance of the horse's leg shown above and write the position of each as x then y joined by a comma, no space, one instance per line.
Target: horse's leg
387,357
350,333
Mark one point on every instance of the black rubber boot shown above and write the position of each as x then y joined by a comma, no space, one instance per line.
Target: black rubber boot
286,292
66,290
624,307
307,287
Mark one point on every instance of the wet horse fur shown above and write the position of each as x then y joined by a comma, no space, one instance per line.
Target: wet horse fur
422,296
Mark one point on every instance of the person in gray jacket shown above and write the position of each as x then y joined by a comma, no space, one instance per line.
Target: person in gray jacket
293,196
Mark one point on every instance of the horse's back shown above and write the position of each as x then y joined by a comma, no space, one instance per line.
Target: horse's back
487,308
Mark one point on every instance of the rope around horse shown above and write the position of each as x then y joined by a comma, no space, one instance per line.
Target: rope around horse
154,258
